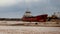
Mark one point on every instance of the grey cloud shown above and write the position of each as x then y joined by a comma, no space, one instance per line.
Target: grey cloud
43,7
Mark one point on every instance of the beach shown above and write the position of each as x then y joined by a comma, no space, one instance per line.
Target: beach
29,30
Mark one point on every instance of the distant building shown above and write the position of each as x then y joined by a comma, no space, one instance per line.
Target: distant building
57,14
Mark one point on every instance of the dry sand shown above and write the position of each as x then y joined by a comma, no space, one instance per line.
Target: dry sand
29,30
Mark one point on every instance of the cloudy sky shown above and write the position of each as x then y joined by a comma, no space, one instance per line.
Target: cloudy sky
17,8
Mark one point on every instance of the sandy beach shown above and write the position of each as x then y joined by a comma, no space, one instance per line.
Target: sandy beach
29,30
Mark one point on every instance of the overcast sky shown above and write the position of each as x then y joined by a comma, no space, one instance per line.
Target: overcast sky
17,8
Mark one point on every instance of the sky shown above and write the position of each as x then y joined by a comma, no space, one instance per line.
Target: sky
17,8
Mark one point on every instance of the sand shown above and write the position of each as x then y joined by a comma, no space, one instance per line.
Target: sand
29,30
